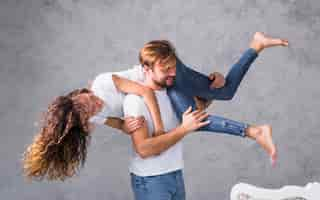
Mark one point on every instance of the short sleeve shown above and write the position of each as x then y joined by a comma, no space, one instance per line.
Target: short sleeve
134,105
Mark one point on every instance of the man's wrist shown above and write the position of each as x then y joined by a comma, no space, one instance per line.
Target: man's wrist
182,129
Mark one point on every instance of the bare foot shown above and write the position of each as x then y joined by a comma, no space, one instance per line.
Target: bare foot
264,138
260,41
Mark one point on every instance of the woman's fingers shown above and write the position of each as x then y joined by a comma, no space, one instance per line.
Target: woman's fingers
138,120
134,123
135,126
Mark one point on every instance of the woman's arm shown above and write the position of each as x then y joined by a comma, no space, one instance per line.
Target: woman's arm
114,122
127,125
128,86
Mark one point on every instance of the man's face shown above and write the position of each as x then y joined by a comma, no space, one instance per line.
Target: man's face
163,74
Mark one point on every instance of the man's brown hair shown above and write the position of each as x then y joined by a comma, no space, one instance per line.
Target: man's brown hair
156,50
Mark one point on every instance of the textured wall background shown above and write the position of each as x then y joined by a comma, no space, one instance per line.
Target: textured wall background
48,47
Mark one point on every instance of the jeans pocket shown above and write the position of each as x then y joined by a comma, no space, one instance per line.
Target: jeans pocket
138,183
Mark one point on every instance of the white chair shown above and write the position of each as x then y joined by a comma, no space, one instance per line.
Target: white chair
243,191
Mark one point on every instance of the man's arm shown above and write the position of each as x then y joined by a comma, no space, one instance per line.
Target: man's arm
147,146
132,87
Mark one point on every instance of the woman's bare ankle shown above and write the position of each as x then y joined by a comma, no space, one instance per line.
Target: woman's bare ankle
252,132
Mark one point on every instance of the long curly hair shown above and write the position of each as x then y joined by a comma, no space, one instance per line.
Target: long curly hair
60,147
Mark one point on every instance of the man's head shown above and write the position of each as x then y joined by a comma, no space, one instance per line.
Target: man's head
158,57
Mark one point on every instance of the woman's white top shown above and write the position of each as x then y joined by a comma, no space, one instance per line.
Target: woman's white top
104,88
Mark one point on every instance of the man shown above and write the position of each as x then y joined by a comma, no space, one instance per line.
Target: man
156,162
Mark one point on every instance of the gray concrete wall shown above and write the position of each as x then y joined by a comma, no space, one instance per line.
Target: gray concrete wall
48,47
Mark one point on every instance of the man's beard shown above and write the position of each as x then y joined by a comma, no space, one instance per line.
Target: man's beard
163,83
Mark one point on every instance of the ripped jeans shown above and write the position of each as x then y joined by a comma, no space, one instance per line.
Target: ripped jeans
190,83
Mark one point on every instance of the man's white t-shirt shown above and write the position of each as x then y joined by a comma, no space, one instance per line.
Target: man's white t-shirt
169,160
104,88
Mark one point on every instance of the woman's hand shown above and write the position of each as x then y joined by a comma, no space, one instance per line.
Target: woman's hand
192,120
131,124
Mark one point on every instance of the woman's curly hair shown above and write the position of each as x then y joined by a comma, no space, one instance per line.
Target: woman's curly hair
60,147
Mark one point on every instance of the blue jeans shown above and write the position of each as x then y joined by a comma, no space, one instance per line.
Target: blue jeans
168,186
190,83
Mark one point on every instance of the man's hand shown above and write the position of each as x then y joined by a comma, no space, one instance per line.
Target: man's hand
192,120
131,124
218,80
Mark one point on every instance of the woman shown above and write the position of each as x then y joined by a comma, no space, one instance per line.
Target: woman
61,145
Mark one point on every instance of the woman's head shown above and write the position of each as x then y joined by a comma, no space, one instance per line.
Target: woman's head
60,147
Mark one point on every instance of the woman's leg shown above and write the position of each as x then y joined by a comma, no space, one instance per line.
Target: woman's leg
262,134
181,102
194,83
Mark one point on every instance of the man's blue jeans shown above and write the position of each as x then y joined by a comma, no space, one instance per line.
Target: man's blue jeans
168,186
190,83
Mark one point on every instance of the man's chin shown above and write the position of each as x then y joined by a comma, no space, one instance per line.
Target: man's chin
169,82
166,83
